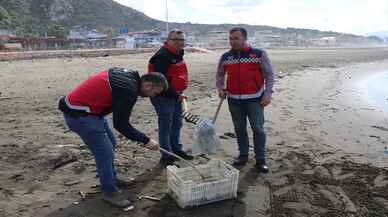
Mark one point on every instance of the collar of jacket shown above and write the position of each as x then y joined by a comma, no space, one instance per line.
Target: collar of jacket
139,82
171,48
244,49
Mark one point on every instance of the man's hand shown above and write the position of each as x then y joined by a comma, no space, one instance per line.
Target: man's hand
265,101
222,93
152,145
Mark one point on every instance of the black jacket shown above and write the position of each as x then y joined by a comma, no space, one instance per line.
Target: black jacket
125,91
124,86
171,64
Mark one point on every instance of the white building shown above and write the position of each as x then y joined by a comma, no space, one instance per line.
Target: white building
124,41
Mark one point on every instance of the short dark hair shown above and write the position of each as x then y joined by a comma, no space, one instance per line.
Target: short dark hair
176,31
239,29
156,78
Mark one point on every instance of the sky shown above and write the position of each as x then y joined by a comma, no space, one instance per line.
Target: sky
348,16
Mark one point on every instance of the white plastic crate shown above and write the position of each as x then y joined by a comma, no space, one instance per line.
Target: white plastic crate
187,187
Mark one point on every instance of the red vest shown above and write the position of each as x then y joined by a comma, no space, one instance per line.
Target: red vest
174,67
93,95
244,76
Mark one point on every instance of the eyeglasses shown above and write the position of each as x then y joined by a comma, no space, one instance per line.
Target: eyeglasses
177,39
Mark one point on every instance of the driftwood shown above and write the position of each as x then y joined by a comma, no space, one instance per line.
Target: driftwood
149,198
63,160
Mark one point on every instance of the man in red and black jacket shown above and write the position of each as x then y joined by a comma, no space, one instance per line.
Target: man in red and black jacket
248,88
111,91
169,61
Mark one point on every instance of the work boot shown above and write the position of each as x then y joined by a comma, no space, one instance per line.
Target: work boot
183,155
117,199
262,166
240,161
122,181
166,161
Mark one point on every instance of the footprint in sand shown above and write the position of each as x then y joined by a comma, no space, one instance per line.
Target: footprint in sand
305,125
286,112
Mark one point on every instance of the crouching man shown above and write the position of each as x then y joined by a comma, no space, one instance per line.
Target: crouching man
111,91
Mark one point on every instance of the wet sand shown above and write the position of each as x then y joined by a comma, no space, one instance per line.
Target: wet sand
325,140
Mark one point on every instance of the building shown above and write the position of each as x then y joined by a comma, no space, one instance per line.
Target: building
214,39
324,42
82,37
149,38
96,39
124,41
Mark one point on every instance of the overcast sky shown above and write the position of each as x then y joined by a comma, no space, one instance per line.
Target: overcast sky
350,16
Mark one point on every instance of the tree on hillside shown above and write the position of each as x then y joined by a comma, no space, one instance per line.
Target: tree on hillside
4,18
57,31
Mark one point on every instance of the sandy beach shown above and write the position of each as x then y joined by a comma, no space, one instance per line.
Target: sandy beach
326,137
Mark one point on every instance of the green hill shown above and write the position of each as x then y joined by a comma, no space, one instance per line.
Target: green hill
35,17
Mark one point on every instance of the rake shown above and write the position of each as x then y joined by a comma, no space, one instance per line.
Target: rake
196,119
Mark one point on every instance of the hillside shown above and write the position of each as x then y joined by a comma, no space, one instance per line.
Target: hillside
38,17
382,35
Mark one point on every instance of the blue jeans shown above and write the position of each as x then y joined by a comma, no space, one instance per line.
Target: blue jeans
169,111
96,134
252,110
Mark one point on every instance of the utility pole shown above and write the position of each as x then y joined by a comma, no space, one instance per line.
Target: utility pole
166,16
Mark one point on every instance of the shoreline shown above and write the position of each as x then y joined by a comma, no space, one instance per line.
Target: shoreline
377,91
337,113
320,104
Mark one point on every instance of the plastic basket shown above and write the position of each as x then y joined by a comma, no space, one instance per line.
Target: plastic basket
187,187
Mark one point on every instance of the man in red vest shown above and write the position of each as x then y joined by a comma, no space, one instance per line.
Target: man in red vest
169,61
248,88
111,91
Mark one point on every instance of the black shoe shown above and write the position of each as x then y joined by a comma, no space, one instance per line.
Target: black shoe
166,161
262,167
183,155
240,161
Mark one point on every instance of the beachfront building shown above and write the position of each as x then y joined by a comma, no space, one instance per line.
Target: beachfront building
82,37
267,38
124,41
144,39
324,42
213,39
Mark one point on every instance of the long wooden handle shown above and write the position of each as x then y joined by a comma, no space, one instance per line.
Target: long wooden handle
180,158
184,103
218,110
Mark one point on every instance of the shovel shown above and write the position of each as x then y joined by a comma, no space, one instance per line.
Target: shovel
206,137
218,111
